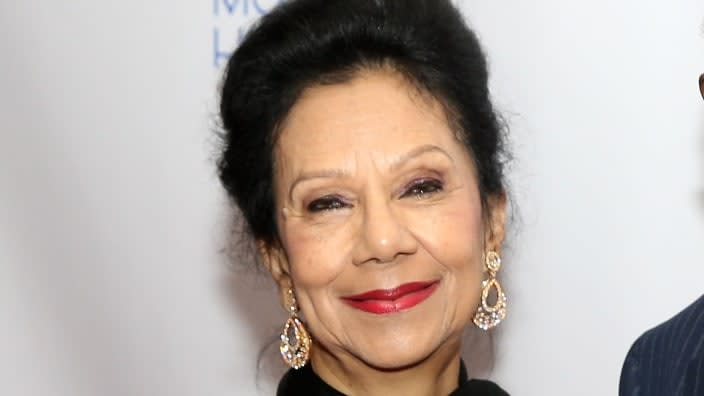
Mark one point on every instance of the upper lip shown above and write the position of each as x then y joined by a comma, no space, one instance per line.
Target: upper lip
391,294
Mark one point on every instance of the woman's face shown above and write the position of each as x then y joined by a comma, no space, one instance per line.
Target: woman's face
380,221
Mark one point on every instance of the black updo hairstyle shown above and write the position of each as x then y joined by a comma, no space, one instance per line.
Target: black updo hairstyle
302,43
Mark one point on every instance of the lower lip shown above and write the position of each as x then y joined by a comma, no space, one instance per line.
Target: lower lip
402,303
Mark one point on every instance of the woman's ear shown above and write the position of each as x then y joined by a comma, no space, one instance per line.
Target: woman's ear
496,222
274,259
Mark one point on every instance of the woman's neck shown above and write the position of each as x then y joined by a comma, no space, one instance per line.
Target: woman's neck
436,375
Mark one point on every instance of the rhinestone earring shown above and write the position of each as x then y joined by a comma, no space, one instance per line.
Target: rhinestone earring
488,316
295,341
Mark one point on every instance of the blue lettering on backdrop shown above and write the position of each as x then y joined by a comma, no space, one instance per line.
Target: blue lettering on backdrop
220,56
225,34
231,6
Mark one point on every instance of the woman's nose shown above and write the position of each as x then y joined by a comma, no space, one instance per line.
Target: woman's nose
384,235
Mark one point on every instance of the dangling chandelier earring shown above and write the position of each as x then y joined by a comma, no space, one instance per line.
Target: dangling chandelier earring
488,316
295,341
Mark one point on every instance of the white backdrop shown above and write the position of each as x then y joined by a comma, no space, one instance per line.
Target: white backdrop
112,280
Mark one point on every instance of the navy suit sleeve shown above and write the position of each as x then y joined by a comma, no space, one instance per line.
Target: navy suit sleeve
669,359
629,385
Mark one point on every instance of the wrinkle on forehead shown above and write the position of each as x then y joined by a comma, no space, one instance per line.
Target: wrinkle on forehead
405,82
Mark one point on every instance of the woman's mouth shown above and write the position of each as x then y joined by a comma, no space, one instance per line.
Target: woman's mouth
385,301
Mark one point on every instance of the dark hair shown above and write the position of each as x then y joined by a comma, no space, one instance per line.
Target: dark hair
301,43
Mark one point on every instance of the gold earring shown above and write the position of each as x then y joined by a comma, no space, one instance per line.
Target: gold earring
488,316
295,341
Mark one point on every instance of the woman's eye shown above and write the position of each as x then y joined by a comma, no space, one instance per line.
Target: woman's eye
326,204
423,188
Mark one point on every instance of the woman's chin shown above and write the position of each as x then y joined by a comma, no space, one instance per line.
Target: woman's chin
393,355
392,361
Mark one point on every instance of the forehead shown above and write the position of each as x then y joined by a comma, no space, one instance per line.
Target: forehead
377,112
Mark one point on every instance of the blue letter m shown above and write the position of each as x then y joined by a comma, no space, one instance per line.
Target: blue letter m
230,6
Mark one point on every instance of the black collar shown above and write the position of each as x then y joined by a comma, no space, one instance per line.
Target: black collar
306,382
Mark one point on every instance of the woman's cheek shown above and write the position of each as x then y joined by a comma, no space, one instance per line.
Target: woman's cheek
316,256
451,236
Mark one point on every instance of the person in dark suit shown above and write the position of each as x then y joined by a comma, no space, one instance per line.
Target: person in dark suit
668,360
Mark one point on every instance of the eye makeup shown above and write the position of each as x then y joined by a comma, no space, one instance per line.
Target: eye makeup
327,203
422,188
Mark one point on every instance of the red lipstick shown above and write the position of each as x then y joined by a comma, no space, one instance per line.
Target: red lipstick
384,301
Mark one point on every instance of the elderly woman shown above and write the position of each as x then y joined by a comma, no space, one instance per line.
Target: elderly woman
366,158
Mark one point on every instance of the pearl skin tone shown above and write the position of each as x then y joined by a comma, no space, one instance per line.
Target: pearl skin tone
373,190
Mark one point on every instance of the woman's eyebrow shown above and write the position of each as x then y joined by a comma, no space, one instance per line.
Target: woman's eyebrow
317,174
417,152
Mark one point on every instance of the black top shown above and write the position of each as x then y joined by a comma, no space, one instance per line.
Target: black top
306,382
